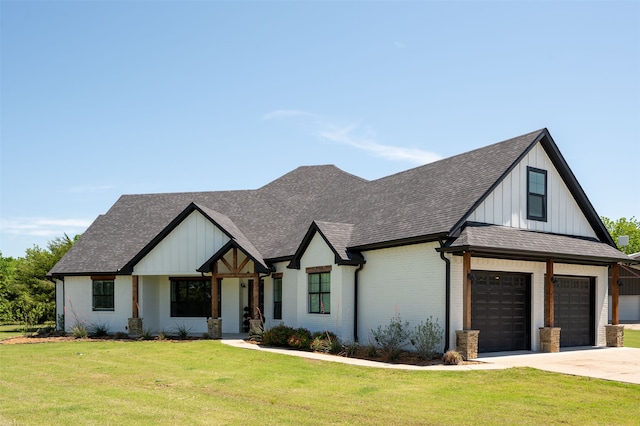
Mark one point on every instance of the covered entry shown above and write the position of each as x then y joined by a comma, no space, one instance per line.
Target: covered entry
500,309
574,310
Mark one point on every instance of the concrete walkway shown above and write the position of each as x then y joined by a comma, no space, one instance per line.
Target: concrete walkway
620,364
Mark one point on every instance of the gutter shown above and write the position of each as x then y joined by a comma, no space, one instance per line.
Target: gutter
355,301
447,297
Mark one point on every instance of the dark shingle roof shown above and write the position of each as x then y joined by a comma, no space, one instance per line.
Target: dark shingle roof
271,221
488,239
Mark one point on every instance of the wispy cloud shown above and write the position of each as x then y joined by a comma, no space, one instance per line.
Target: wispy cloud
347,135
43,227
355,135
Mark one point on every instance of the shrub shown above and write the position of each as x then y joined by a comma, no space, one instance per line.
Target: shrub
147,334
99,330
300,339
182,331
349,349
426,338
392,337
325,341
121,335
372,351
452,358
162,335
79,331
278,335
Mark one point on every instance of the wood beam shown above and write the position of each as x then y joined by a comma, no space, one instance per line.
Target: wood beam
229,267
135,306
214,292
466,291
615,294
549,314
243,264
256,296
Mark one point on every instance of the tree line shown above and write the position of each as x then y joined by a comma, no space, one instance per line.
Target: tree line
27,296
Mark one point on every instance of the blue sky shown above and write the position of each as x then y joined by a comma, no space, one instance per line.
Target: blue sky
103,98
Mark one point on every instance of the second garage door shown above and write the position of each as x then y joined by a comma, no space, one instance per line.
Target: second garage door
500,309
574,310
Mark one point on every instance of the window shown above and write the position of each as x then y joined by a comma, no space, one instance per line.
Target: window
320,293
277,298
536,194
103,294
190,298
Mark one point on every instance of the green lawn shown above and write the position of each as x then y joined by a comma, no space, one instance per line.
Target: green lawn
632,338
206,382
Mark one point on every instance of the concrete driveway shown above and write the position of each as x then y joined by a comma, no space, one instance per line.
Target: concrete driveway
620,364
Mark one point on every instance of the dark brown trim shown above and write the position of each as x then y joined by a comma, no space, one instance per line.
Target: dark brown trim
189,278
318,269
466,291
549,295
103,277
276,275
615,294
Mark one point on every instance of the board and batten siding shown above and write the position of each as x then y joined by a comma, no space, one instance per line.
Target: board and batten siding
408,281
185,249
507,204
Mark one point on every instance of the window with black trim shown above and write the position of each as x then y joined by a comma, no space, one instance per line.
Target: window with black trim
191,298
103,295
319,293
536,194
277,298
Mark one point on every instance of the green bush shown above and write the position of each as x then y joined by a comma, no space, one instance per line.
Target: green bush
325,341
79,331
426,338
278,335
392,337
182,331
300,339
99,330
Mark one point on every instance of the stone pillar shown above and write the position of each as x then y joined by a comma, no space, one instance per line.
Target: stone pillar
615,335
135,327
256,329
214,326
467,343
549,339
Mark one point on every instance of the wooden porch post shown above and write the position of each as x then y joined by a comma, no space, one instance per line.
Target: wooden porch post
214,292
615,291
134,297
548,296
255,299
466,292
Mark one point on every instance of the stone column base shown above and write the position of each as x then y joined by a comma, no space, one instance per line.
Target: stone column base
615,335
135,327
467,343
549,339
255,329
214,327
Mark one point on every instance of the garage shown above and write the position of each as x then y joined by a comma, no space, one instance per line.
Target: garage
574,310
501,310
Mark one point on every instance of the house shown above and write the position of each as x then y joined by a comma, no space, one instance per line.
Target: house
500,245
629,279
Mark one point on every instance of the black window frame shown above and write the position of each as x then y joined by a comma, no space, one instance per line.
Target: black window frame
104,299
322,307
532,194
198,290
277,298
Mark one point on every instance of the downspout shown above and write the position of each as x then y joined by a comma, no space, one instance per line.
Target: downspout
355,301
447,296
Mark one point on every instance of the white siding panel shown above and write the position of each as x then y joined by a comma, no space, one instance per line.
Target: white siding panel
185,249
507,204
408,281
629,308
78,304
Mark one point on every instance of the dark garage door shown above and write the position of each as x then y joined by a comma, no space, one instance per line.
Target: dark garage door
500,309
574,310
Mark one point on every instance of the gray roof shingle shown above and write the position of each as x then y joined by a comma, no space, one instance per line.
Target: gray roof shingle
271,221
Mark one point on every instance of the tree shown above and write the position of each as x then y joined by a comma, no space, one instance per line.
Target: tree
27,295
624,226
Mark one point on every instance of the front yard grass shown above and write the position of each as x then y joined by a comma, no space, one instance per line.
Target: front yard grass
206,382
632,338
